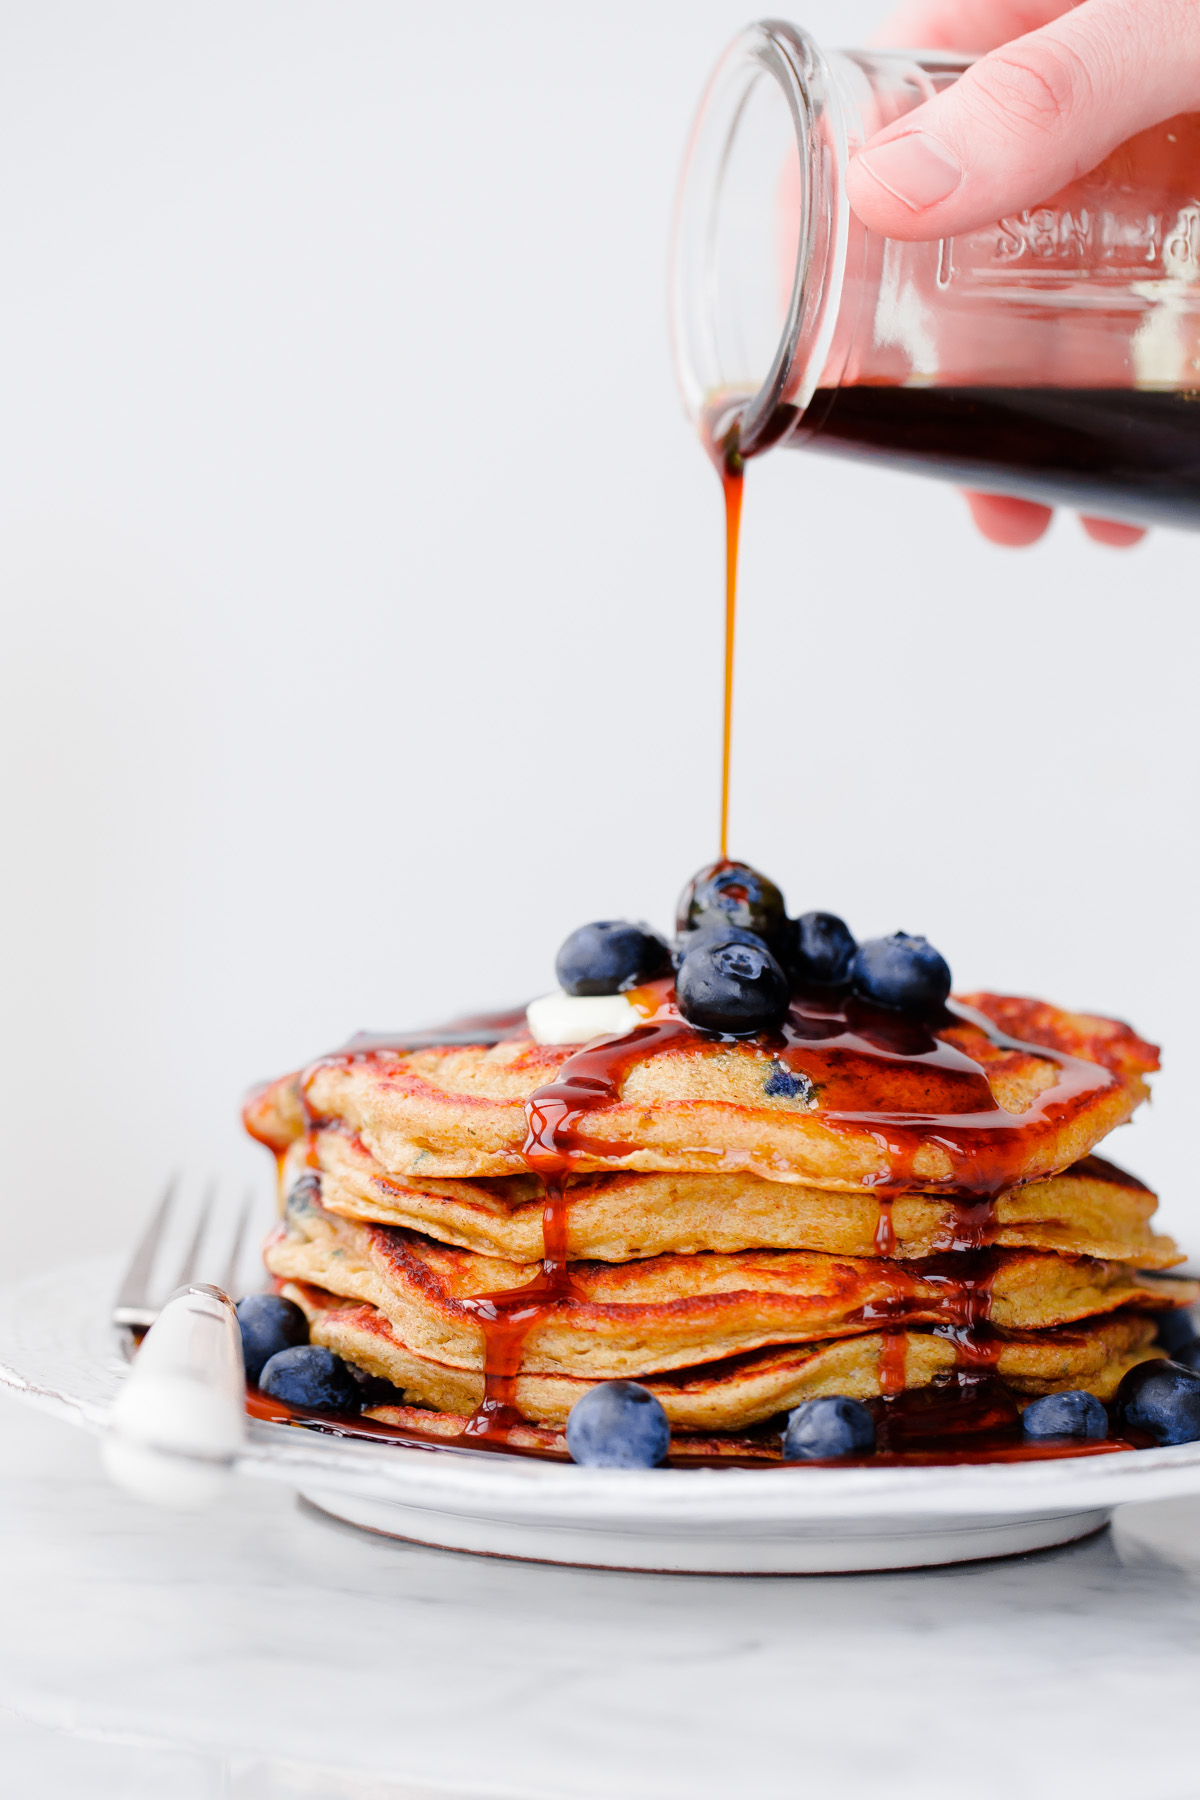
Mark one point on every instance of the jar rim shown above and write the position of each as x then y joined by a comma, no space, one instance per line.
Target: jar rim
717,398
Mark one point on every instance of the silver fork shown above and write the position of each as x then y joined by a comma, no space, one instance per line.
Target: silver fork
177,1424
143,1293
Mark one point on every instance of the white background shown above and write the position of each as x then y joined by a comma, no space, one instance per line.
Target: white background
362,593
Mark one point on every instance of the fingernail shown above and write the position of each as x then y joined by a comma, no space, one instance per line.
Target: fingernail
918,169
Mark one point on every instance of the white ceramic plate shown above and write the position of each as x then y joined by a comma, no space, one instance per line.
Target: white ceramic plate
58,1351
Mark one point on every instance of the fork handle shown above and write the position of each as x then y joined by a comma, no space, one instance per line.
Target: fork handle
178,1423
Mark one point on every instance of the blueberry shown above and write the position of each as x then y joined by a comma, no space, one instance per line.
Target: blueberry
1074,1414
303,1195
1163,1400
373,1390
618,1425
1176,1328
732,893
714,931
609,956
785,1084
901,971
311,1376
834,1426
737,988
1188,1354
823,948
269,1323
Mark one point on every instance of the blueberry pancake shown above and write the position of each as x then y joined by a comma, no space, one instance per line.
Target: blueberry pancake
836,1101
745,1390
1092,1209
667,1312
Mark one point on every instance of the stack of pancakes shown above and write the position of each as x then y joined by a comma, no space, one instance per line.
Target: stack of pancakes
742,1232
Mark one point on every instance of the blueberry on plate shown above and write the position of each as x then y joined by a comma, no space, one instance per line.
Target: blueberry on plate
311,1376
733,893
1176,1328
1075,1414
1188,1354
832,1426
732,987
609,956
269,1323
1163,1400
618,1425
901,971
823,948
373,1390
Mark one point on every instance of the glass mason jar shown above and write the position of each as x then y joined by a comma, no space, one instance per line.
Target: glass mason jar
1053,355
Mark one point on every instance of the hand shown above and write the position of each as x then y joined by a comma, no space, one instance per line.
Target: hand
1061,86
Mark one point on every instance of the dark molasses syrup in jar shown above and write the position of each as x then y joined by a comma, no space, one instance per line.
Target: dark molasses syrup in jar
1134,450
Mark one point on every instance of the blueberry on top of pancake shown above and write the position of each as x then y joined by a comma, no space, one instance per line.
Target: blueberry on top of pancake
734,894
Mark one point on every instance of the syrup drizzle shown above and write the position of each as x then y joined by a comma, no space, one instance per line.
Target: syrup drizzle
963,1306
732,481
885,1230
588,1080
507,1319
719,433
972,1225
892,1363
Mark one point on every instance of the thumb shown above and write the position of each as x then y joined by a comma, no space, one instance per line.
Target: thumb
1029,118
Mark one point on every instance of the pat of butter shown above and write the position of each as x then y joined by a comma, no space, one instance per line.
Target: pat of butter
562,1018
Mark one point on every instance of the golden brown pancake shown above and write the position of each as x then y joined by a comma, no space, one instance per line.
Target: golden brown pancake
714,1107
669,1312
743,1391
1093,1209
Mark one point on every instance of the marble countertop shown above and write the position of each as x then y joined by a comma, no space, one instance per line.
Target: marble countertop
260,1651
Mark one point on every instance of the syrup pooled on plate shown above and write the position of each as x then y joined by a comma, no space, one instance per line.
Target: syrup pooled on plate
948,1424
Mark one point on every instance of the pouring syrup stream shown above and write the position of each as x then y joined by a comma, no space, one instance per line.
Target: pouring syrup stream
732,473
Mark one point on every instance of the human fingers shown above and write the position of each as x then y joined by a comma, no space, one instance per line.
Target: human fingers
1029,117
1110,532
1017,523
964,24
1014,523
